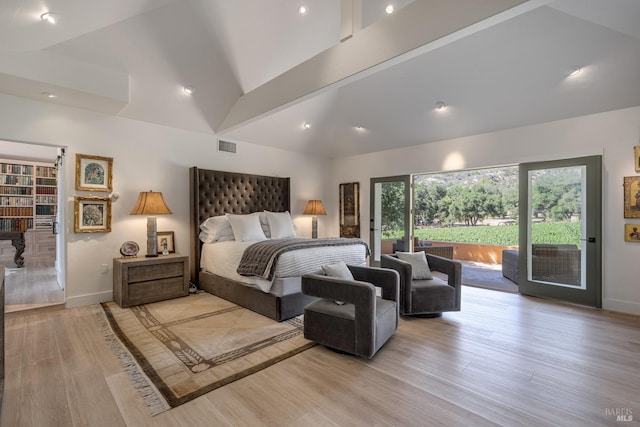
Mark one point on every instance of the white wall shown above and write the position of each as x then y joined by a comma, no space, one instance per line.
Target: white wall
146,157
612,134
151,157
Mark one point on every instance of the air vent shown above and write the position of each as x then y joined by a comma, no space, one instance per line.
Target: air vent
227,147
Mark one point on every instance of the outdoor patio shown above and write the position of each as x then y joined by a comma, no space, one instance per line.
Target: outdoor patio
487,276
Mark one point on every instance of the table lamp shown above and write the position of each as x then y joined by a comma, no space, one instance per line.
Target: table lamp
315,208
150,203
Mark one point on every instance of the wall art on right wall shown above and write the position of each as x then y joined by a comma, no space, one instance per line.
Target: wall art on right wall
632,196
632,233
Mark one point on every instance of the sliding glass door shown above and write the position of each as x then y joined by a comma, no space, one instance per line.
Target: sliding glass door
560,230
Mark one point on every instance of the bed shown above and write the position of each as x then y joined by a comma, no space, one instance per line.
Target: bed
216,193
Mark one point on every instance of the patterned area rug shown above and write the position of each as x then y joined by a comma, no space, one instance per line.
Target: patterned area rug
180,349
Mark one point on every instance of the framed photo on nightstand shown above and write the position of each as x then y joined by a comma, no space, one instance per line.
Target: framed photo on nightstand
166,242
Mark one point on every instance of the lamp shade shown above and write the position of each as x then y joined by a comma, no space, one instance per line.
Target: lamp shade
314,207
150,203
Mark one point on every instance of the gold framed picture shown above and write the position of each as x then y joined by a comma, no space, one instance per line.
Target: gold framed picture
350,209
93,173
166,242
636,157
632,233
631,196
92,214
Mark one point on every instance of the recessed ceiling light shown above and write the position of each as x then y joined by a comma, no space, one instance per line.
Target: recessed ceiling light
359,128
188,90
389,9
306,125
50,17
49,95
302,9
440,106
573,71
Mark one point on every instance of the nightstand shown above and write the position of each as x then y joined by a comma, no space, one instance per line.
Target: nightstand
142,280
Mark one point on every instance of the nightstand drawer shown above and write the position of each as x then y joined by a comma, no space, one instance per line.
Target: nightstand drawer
153,272
143,292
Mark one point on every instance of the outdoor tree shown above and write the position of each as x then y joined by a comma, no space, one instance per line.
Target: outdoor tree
425,204
556,193
472,203
392,204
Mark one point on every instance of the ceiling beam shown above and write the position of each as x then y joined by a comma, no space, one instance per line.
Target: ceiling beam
33,74
413,30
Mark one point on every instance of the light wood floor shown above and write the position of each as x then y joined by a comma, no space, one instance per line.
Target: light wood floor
504,360
34,286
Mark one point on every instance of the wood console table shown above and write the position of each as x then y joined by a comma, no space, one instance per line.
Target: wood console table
17,240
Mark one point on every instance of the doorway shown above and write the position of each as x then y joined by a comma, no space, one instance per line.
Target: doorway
554,213
390,214
40,281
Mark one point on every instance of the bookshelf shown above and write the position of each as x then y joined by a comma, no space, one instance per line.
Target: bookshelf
28,196
28,202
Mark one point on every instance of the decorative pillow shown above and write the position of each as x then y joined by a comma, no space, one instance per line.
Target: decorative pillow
212,238
419,265
246,228
264,223
338,270
216,228
280,224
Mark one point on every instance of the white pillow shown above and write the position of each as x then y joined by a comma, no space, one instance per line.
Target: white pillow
419,265
246,228
338,270
212,238
280,224
217,228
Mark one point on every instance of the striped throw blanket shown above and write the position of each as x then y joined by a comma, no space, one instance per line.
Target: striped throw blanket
260,258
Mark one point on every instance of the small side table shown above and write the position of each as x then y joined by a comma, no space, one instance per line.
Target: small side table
142,280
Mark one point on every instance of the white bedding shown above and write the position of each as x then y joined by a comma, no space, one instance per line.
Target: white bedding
222,258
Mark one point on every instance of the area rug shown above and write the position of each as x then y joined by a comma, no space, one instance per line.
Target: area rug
180,349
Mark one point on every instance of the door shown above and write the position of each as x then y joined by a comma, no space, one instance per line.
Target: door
390,214
560,230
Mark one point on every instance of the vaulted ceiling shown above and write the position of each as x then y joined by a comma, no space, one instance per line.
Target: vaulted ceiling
260,70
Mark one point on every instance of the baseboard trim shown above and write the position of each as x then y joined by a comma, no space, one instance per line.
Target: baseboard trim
621,306
88,299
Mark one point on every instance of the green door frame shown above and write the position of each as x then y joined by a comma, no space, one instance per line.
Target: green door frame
591,242
375,240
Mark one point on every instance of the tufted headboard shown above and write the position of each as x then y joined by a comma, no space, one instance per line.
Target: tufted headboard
214,193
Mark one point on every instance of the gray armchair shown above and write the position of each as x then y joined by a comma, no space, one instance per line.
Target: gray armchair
427,297
364,322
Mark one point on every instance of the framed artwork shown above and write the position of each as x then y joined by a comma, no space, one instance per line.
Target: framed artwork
93,173
632,233
92,215
165,241
350,209
636,157
632,196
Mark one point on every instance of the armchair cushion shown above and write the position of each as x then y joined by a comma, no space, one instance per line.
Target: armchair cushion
419,264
